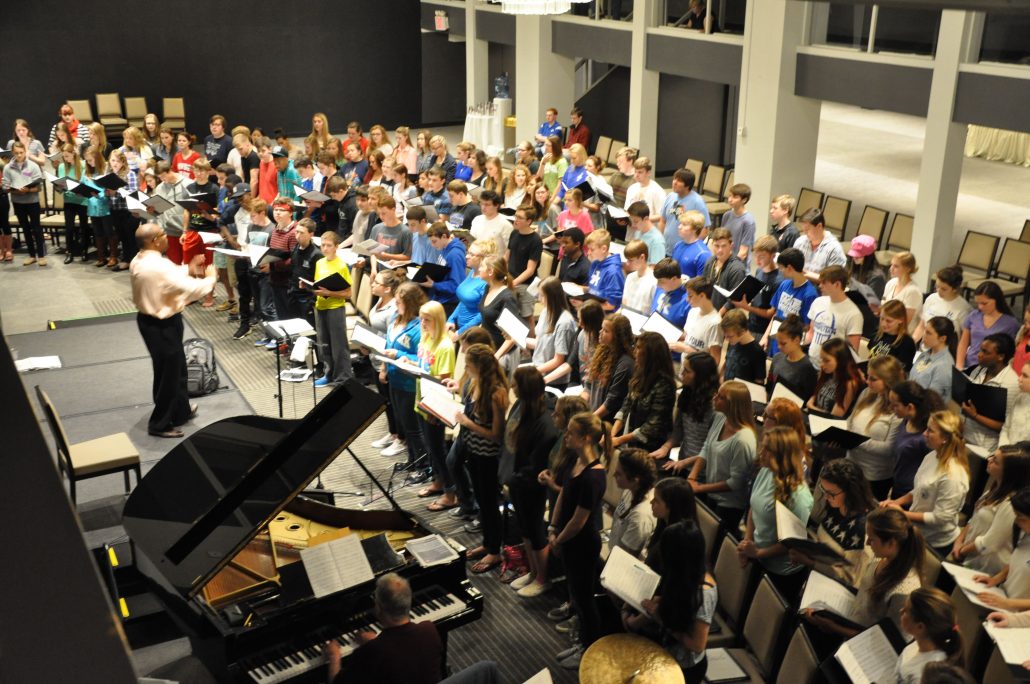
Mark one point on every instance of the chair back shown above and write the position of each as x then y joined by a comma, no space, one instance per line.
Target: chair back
698,167
733,581
1024,235
714,181
109,104
970,619
710,526
765,620
363,303
604,147
872,223
174,108
931,568
613,152
83,110
997,671
730,180
835,213
900,235
808,199
978,251
546,267
135,110
800,661
1014,260
64,459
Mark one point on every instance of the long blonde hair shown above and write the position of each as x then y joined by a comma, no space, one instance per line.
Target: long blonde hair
890,371
323,137
434,311
954,447
739,412
786,461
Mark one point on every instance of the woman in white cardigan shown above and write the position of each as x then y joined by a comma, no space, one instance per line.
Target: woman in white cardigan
874,418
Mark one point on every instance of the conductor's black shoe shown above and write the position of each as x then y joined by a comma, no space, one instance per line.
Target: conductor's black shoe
242,331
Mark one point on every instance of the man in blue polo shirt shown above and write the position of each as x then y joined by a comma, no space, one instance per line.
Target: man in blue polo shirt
548,128
681,199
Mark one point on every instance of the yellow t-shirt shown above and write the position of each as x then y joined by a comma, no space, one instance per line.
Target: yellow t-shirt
323,268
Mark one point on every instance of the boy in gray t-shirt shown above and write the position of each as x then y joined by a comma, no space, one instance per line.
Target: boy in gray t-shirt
740,222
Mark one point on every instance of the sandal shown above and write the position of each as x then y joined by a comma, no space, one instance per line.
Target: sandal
428,491
439,505
476,553
485,566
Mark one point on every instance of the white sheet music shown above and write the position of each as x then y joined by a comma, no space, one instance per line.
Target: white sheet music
868,657
409,368
964,579
788,525
661,325
636,319
781,391
572,289
541,677
774,327
1014,644
757,392
629,578
722,667
336,565
439,401
368,338
616,212
513,327
293,326
820,424
822,593
431,550
674,454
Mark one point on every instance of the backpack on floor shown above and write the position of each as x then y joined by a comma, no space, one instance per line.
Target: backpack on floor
201,369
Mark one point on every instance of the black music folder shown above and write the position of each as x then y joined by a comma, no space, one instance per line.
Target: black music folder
989,401
110,181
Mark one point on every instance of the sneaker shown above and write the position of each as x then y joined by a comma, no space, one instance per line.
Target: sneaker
464,515
272,344
569,626
225,306
263,342
322,381
562,612
242,331
534,589
29,261
474,526
570,651
235,310
418,477
572,662
396,449
523,580
383,442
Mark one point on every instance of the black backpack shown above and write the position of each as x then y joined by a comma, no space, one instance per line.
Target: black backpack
201,369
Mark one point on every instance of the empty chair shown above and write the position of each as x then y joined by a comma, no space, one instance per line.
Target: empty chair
1011,271
135,111
613,151
835,214
102,456
899,239
734,583
109,112
872,223
800,661
1025,234
603,148
698,167
765,621
978,252
546,266
83,110
970,618
174,111
713,187
997,671
717,209
808,199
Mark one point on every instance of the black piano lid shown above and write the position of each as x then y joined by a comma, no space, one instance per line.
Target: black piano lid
211,494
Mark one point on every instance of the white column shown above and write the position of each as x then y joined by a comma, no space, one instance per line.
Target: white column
777,131
477,58
643,83
935,238
544,79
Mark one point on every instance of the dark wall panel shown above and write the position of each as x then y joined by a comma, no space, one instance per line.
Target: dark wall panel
978,101
706,114
892,88
495,27
694,58
443,83
591,41
270,66
605,108
503,58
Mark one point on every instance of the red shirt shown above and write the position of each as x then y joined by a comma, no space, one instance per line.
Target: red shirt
1022,355
579,134
268,185
364,144
183,165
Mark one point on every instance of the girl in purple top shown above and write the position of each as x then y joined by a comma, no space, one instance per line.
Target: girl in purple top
913,405
992,315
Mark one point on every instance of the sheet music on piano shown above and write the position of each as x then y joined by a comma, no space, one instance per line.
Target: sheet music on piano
336,565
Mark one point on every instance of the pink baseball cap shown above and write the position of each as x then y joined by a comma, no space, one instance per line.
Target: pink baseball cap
862,246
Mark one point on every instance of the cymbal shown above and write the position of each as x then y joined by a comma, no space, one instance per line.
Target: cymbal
628,659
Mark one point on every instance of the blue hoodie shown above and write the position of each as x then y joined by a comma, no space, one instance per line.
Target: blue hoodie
454,257
607,279
405,341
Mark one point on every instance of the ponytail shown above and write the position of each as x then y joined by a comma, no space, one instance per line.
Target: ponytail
932,608
888,524
595,431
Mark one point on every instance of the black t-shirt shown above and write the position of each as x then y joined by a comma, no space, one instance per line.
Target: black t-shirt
302,262
524,248
505,299
745,362
577,271
772,280
198,222
217,149
883,345
585,490
461,217
250,163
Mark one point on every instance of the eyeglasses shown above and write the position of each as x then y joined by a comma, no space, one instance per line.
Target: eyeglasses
827,493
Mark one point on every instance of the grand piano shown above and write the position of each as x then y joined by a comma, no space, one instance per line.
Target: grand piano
218,525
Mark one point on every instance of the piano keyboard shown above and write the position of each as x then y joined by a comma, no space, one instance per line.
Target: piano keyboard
303,655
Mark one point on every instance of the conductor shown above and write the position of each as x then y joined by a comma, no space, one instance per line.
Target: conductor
160,291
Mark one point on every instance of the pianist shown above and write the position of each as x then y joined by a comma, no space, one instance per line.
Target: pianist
405,652
161,290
